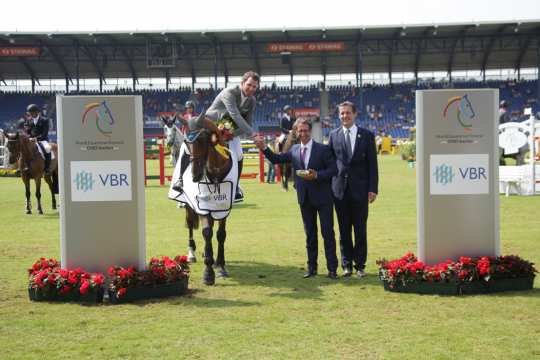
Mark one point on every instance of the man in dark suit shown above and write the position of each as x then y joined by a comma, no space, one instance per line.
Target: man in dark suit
354,187
313,189
37,127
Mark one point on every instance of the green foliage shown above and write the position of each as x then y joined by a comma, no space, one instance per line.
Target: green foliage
266,309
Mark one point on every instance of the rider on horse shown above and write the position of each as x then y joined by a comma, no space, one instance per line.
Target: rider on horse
37,128
236,105
285,125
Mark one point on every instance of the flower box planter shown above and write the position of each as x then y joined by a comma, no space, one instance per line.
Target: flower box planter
516,284
427,288
92,296
149,292
468,288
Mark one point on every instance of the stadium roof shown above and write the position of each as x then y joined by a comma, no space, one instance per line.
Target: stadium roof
270,52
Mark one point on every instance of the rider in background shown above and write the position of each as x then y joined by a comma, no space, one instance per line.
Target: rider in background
285,125
37,128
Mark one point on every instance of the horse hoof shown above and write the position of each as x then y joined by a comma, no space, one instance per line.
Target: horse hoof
192,259
209,277
40,212
223,273
28,212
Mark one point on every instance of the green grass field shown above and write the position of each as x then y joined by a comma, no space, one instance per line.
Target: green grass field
265,309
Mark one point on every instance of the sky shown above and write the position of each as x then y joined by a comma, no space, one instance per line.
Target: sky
167,15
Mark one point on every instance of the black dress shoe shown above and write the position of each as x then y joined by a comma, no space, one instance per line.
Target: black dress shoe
332,275
310,273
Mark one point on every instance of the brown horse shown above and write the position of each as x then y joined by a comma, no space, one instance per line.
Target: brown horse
24,152
207,161
285,169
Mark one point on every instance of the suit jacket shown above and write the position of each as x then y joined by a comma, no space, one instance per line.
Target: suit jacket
318,191
360,172
228,104
40,130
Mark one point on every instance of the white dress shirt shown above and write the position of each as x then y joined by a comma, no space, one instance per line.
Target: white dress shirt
307,154
354,131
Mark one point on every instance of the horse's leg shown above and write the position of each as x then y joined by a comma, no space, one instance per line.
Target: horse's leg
192,222
27,193
49,181
284,178
209,277
220,260
38,194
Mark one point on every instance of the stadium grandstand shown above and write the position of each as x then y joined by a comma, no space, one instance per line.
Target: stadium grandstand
311,70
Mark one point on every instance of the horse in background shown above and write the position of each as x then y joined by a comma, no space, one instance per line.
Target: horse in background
285,169
24,152
173,137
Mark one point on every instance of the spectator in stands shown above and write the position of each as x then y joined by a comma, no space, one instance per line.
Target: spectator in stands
37,127
236,104
354,187
504,117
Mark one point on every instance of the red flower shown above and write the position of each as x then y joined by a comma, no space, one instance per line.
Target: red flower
72,279
84,287
98,279
121,292
111,271
65,289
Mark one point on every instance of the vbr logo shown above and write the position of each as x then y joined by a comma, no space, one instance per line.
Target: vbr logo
84,181
444,174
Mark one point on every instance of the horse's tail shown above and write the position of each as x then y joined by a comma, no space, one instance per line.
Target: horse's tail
55,182
192,219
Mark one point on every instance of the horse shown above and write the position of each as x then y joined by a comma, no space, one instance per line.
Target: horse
208,163
285,169
173,137
24,152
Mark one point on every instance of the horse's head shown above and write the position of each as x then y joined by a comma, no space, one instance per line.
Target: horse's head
170,130
200,142
13,145
466,107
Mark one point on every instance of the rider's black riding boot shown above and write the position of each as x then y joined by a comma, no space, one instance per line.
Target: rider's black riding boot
239,196
47,163
179,184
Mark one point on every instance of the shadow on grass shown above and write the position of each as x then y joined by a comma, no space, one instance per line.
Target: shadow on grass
288,280
243,205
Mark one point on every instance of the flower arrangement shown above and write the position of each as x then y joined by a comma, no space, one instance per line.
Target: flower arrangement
407,270
48,281
407,149
161,271
226,126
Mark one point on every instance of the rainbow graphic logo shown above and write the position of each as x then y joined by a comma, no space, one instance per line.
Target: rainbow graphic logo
465,112
102,114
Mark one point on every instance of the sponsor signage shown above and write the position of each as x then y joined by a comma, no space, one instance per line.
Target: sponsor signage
19,51
457,173
101,177
293,47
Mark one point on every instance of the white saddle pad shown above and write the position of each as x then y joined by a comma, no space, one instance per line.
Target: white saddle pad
204,197
47,149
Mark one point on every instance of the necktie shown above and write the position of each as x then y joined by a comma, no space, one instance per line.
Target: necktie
348,142
303,156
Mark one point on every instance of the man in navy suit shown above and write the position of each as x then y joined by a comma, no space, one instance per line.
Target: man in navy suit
313,189
354,187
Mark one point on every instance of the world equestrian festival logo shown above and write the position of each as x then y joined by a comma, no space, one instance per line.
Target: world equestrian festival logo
103,116
84,181
444,174
465,112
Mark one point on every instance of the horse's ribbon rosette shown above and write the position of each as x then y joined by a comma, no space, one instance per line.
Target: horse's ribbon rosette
222,150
